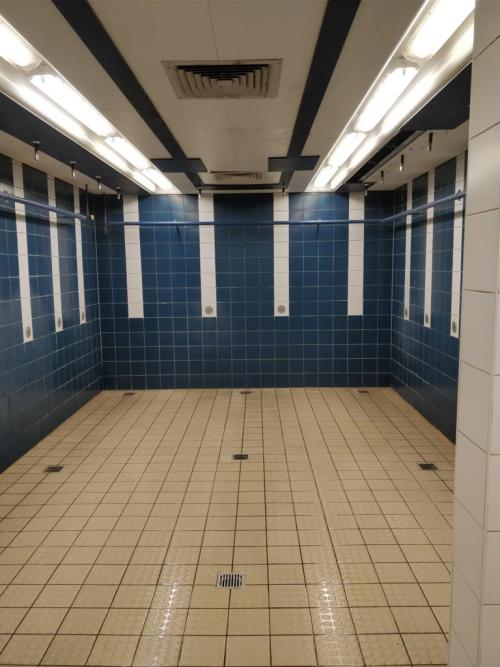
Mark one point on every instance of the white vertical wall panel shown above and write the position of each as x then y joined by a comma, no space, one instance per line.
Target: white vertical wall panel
133,261
22,254
281,236
406,298
458,226
54,254
79,257
206,233
429,245
355,272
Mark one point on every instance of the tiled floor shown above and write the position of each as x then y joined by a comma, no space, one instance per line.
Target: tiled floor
345,543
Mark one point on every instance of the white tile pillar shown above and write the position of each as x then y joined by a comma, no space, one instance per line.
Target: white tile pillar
356,250
281,239
208,274
475,619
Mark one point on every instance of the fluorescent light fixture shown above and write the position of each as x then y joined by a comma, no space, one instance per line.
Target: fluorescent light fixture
338,179
110,156
145,182
324,176
409,103
442,20
345,148
384,96
68,98
15,50
39,104
129,152
158,179
364,151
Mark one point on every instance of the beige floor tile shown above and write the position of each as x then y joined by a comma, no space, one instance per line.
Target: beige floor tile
25,650
291,622
290,650
83,621
202,652
426,649
288,596
113,651
68,650
373,620
124,622
338,650
247,651
42,621
155,651
248,622
206,622
383,650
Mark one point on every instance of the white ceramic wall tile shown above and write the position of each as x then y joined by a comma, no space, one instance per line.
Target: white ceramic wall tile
490,646
474,405
406,298
281,208
493,494
208,278
478,329
54,254
133,259
483,185
492,569
467,547
22,254
206,208
79,257
281,271
458,224
487,113
481,235
465,619
355,274
429,248
470,465
458,657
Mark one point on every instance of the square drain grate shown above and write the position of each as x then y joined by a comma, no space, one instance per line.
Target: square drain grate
427,466
230,580
240,457
53,469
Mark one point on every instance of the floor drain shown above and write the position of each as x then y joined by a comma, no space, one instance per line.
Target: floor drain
230,580
245,391
240,457
53,469
427,466
129,393
363,391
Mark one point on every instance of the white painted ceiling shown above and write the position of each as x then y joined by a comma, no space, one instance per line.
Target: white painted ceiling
233,135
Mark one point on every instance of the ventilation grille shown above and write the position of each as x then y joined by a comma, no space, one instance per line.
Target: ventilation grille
221,79
230,580
229,176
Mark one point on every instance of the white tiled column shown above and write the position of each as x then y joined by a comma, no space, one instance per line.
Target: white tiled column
429,246
409,205
206,233
54,254
475,619
281,234
355,273
79,257
22,253
133,261
458,226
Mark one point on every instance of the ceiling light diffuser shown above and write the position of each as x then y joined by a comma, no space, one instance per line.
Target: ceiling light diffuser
324,176
129,152
15,50
338,179
110,156
363,152
345,148
442,20
145,182
158,179
409,103
53,114
68,98
384,96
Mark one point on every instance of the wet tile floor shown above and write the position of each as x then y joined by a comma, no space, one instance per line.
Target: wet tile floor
343,540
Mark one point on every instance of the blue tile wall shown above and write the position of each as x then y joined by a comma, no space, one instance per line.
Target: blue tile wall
44,381
245,345
424,367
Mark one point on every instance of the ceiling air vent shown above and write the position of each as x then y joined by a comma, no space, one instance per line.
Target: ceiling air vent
230,176
224,79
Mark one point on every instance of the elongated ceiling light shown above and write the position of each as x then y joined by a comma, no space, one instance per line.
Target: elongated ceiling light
30,80
436,46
